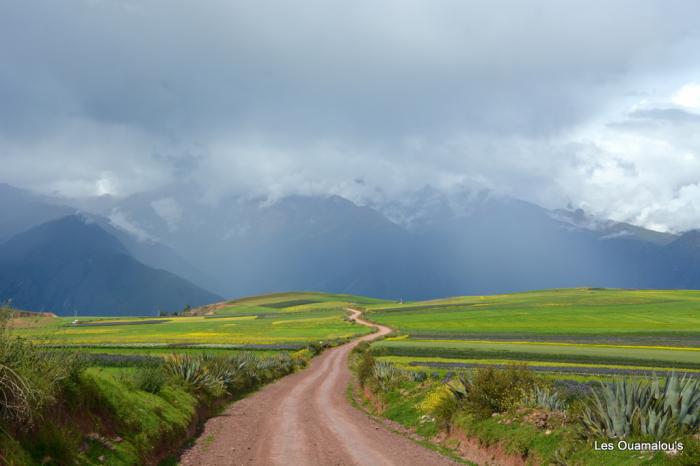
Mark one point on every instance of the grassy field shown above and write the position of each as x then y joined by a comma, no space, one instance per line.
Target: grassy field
282,303
622,329
280,320
613,329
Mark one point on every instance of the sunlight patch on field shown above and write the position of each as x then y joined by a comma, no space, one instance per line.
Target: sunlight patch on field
405,360
309,320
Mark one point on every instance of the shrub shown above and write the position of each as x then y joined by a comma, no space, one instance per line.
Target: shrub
442,404
31,377
364,367
316,348
120,360
16,396
55,444
302,357
490,390
149,379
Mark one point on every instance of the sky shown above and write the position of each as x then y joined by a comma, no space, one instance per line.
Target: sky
592,105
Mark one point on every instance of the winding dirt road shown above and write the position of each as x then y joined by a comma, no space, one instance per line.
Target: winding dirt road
305,419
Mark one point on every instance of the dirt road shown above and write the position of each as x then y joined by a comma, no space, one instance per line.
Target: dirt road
306,419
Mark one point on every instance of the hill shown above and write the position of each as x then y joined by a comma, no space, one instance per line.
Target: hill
72,264
27,210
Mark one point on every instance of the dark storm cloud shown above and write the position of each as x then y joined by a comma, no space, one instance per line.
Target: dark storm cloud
367,67
278,97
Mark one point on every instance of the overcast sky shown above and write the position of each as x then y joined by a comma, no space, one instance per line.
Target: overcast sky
592,104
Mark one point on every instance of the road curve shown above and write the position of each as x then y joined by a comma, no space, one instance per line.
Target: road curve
305,419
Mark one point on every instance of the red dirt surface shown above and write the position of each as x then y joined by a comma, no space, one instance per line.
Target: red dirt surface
306,419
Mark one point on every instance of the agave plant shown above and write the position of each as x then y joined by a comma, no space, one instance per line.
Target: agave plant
194,372
387,374
682,397
658,423
228,371
544,397
642,408
613,412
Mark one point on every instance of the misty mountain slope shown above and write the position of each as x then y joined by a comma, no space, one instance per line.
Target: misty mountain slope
468,244
318,244
609,229
436,245
682,258
23,210
506,245
332,244
298,242
72,264
160,256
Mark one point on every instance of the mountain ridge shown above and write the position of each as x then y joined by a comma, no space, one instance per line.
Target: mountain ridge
72,264
464,244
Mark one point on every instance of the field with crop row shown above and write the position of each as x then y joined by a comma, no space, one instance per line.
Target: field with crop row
429,364
614,330
291,322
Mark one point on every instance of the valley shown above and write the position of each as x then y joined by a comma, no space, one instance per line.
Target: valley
566,340
403,233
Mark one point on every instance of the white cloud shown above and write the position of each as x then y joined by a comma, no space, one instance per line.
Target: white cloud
120,220
169,210
81,157
688,96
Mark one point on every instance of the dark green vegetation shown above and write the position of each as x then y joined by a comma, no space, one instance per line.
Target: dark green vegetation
515,415
556,330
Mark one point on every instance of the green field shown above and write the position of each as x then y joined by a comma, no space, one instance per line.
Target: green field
280,320
626,329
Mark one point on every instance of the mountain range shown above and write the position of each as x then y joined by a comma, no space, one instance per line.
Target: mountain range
427,245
